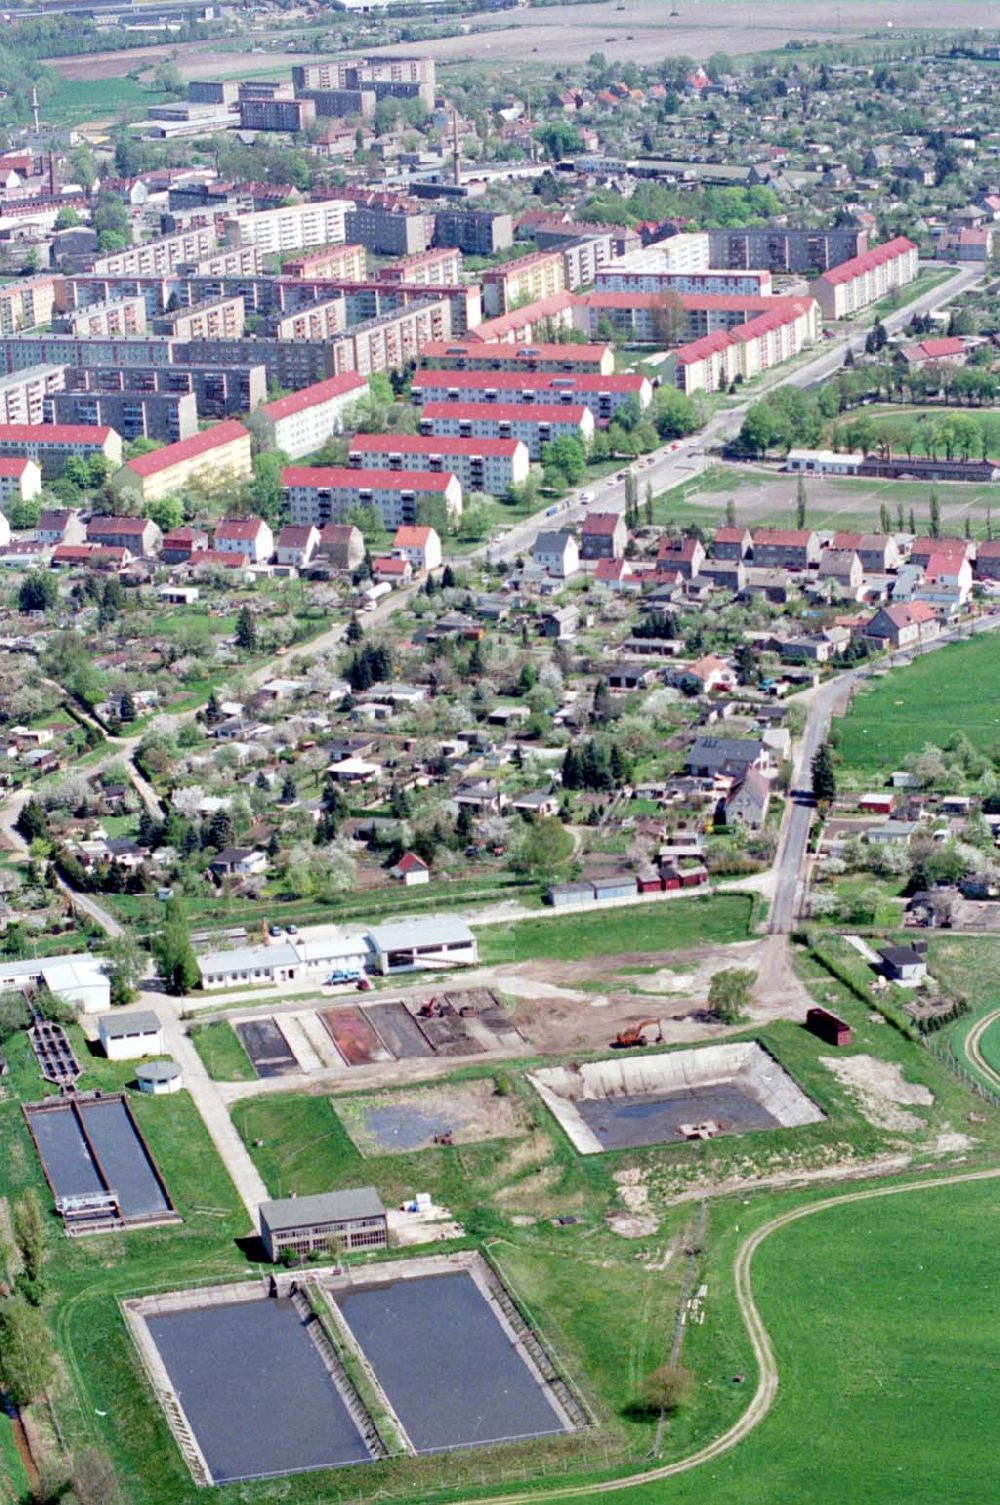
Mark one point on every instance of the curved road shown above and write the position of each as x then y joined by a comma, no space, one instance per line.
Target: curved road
767,1383
974,1052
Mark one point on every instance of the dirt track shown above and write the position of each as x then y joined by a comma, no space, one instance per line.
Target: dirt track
760,1339
973,1049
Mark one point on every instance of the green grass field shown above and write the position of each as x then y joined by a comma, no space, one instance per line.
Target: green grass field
954,689
885,1327
74,100
665,926
222,1051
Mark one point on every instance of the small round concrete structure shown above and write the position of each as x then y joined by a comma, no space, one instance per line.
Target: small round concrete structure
159,1077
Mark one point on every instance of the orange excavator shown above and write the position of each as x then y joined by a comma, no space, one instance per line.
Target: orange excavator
631,1037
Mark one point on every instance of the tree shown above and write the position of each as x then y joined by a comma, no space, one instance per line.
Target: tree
731,513
547,847
746,664
29,1232
124,965
14,1014
729,993
800,502
32,822
666,1389
824,779
166,512
126,707
175,957
246,630
669,318
934,527
67,218
38,592
26,1362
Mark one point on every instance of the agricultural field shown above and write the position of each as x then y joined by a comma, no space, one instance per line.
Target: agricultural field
956,688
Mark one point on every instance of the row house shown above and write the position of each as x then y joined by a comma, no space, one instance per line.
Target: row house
534,424
324,494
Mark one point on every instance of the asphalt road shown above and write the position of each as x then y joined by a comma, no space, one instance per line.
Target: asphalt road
684,460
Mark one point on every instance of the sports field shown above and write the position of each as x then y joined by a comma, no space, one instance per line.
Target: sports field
766,497
885,1326
956,689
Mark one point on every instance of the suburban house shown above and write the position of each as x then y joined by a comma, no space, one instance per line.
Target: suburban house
297,543
878,552
988,560
685,555
746,804
785,548
842,568
420,545
711,672
139,535
710,756
903,625
557,554
906,965
181,543
249,536
603,535
391,569
239,862
732,543
61,526
342,544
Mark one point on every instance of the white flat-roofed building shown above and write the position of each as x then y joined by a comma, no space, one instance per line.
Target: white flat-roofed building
823,462
427,945
129,1034
250,965
78,977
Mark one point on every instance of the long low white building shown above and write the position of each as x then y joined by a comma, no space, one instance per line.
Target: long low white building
406,946
423,945
78,977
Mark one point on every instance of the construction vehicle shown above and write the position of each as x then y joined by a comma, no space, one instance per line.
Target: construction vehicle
632,1037
436,1008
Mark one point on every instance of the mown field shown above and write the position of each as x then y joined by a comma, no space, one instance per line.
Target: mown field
955,689
885,1328
669,925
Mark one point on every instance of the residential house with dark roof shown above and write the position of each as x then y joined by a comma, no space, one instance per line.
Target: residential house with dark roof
603,535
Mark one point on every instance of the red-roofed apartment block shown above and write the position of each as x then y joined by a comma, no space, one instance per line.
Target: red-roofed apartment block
854,284
490,465
304,421
218,454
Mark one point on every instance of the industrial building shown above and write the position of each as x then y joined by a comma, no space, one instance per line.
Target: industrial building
414,945
324,1223
129,1034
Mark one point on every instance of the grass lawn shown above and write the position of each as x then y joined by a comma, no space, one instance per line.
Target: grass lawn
669,925
13,1477
222,1051
885,1328
954,689
76,100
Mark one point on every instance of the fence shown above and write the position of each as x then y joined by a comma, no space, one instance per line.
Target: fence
943,1052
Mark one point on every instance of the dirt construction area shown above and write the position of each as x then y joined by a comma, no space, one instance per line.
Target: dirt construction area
460,1113
581,1005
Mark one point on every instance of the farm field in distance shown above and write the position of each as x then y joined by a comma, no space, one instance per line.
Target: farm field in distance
926,701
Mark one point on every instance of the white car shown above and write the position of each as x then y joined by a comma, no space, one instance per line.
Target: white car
586,496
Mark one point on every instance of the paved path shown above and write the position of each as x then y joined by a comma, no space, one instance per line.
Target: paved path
214,1113
760,1340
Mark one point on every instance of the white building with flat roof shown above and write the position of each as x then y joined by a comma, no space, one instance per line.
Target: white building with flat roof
423,945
